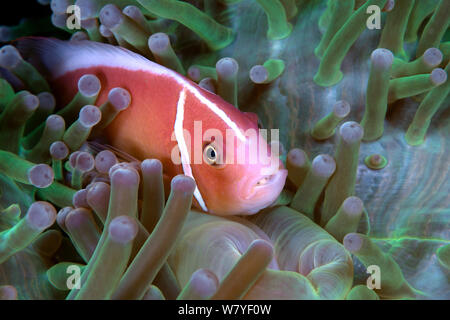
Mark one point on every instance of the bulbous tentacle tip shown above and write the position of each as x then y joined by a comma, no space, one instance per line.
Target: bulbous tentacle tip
124,165
73,158
341,109
41,215
60,6
199,72
382,58
110,16
9,57
432,57
414,137
273,69
124,176
123,229
227,67
160,46
97,187
98,197
59,150
150,166
120,98
323,165
79,199
353,206
326,127
258,74
105,32
263,247
80,36
61,216
30,102
159,42
88,8
297,156
183,184
353,242
438,76
8,292
84,161
351,132
104,160
89,116
208,84
132,11
153,293
194,73
59,20
89,85
40,176
47,101
204,282
55,122
76,218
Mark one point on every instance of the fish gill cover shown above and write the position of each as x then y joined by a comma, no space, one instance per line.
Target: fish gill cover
356,91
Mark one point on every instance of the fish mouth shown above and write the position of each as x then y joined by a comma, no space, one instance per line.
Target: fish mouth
266,188
263,192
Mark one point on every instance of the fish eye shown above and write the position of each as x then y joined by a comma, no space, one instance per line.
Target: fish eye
210,154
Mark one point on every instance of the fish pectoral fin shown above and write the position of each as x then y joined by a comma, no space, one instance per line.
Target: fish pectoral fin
121,155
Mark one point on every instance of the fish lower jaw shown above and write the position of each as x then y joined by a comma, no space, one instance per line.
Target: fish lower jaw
266,185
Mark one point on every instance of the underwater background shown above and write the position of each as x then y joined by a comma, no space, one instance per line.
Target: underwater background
57,193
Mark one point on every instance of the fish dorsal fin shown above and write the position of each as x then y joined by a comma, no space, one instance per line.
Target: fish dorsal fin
58,57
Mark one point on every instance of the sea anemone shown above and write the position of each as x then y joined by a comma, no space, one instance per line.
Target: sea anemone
362,111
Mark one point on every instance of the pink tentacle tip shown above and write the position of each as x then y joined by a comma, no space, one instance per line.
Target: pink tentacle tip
76,218
263,247
353,242
182,183
123,229
41,215
124,176
41,175
151,166
204,282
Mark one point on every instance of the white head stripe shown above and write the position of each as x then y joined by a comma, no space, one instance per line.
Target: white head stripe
185,159
73,55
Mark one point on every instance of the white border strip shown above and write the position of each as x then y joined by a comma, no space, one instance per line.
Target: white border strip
185,159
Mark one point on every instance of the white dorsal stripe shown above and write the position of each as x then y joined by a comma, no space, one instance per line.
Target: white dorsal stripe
185,158
61,57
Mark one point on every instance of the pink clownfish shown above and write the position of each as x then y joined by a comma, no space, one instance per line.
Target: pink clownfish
164,106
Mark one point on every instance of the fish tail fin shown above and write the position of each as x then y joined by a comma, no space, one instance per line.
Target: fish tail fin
45,54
